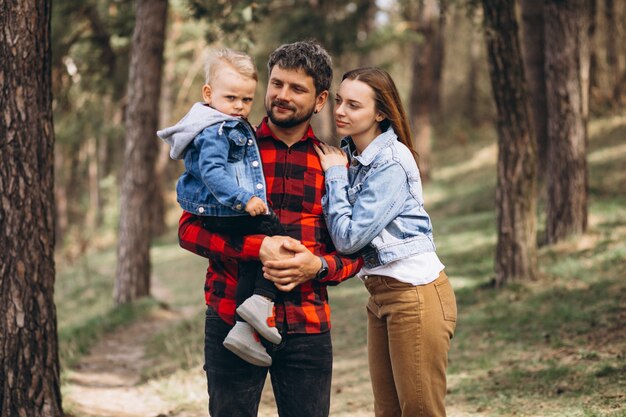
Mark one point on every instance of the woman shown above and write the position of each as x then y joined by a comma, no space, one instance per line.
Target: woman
375,206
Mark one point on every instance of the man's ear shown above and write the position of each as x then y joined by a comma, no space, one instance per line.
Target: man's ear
320,101
206,93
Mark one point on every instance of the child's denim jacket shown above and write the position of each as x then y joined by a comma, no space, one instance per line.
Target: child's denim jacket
375,205
223,168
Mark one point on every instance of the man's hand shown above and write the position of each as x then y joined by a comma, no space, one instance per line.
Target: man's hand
291,272
273,249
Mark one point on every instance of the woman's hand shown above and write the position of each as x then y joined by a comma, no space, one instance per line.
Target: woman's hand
330,156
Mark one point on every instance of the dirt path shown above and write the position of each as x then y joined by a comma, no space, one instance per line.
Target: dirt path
107,382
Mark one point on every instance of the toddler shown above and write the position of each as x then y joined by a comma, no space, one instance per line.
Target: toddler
223,182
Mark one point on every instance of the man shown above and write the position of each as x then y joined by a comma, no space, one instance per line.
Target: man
301,265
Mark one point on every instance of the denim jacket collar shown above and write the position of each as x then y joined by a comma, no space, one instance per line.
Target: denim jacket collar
373,149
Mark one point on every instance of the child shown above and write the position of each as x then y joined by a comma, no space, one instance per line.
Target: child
223,180
412,309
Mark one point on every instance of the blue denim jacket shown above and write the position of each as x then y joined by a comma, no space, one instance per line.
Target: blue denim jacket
223,167
376,206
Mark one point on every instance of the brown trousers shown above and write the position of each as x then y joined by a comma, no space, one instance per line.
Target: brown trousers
408,338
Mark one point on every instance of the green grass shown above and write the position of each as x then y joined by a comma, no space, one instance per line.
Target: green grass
553,347
85,307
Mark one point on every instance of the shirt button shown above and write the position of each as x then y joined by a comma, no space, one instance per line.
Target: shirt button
201,210
259,186
255,163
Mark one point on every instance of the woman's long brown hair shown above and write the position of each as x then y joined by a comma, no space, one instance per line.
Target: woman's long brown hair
387,102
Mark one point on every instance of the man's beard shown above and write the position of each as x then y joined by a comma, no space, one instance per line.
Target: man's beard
295,120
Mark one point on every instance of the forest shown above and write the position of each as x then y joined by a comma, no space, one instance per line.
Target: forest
518,113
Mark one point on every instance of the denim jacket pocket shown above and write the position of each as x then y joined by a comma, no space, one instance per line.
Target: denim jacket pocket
236,152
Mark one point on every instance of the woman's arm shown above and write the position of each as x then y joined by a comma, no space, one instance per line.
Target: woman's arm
380,199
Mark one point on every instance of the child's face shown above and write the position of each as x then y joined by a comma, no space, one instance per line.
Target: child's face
230,92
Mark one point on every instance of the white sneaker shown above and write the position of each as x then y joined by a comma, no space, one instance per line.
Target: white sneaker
243,341
258,312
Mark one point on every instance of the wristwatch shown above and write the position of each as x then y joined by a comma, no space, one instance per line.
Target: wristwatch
323,270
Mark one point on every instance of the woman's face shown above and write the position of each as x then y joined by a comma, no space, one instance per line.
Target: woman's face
355,111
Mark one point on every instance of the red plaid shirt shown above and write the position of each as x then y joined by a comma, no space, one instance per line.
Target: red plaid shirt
295,185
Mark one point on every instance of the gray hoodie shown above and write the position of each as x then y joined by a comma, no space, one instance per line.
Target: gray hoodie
199,117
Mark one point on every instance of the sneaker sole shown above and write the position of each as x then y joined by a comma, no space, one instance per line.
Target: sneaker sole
247,354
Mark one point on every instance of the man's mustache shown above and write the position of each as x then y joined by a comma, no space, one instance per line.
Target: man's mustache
283,104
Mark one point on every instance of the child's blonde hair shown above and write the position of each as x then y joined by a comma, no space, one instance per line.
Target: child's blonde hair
242,63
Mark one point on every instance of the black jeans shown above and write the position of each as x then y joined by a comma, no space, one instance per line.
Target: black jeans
250,277
301,374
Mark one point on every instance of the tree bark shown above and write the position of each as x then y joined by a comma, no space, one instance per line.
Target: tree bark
612,53
426,81
516,250
132,280
475,39
534,60
567,66
29,360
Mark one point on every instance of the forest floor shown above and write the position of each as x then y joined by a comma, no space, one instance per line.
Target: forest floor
109,381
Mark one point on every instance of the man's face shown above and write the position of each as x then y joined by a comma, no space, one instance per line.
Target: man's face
291,99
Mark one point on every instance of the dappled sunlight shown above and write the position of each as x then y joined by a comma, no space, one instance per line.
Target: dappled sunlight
598,127
183,389
610,154
485,157
465,282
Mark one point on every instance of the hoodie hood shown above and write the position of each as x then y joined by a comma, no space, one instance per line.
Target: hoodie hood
199,117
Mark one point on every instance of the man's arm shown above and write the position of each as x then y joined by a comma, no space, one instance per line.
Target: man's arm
195,238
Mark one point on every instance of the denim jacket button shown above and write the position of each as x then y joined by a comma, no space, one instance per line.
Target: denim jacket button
259,186
249,142
255,163
201,210
238,206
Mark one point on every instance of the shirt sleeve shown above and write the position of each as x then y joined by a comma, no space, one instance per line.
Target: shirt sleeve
341,267
196,239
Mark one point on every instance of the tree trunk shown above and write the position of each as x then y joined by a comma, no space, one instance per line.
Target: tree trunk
612,52
132,280
29,360
566,68
425,82
621,88
366,29
534,60
60,199
471,102
594,82
93,218
516,251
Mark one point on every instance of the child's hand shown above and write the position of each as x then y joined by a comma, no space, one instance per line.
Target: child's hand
330,156
256,206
